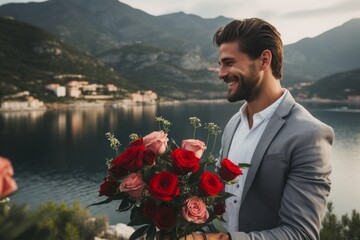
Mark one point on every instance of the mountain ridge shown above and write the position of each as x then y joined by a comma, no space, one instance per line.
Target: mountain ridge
32,58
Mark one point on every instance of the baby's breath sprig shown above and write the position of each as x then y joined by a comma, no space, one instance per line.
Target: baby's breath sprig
196,122
213,129
114,142
163,124
133,137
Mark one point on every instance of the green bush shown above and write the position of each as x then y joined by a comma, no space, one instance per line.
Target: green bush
348,228
69,222
18,223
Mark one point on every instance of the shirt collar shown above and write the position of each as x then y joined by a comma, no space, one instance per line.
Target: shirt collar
266,113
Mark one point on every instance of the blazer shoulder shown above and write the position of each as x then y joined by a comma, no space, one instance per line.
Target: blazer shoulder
307,123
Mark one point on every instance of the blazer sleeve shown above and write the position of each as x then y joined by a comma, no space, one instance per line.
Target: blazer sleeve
306,189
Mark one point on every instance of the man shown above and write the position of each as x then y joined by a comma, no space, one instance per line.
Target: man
283,194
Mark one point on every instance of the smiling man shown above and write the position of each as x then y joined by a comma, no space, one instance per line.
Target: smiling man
283,194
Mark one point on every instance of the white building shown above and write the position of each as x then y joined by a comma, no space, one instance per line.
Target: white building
74,92
29,104
60,91
111,88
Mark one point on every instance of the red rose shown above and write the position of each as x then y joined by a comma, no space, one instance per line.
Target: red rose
108,188
137,142
229,171
131,159
165,218
219,208
184,161
164,186
149,157
150,209
210,184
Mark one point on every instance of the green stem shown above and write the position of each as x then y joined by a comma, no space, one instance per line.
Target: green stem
212,150
194,132
207,140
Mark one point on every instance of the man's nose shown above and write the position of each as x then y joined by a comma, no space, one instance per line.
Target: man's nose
222,73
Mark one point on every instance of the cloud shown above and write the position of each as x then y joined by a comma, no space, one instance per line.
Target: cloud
342,7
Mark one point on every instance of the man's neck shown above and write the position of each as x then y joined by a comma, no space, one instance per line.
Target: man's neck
265,99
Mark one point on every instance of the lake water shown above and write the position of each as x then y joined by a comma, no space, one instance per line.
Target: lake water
60,155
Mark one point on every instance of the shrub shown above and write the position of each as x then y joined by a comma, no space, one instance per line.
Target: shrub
69,222
346,229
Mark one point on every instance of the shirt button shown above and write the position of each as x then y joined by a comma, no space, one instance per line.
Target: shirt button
235,201
237,185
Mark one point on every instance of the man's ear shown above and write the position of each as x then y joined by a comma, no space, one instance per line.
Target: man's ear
265,59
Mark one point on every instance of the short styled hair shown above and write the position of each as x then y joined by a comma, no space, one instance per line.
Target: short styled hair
254,36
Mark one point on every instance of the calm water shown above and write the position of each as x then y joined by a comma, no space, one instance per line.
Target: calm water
60,155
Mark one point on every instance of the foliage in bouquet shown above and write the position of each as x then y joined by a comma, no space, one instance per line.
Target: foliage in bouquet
168,188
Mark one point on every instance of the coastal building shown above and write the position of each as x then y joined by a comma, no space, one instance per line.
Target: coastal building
74,92
111,88
28,104
149,97
60,91
143,97
77,84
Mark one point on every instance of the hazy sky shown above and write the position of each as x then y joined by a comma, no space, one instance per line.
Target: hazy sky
295,19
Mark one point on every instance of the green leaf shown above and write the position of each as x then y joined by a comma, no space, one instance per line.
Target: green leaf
139,220
174,145
223,195
110,199
244,165
139,232
125,205
151,233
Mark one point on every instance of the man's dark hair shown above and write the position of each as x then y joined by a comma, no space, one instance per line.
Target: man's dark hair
254,36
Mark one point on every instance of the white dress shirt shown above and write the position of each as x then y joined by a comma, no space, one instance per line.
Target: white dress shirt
241,150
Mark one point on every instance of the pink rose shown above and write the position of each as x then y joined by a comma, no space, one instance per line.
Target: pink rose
7,183
195,210
196,146
133,185
156,142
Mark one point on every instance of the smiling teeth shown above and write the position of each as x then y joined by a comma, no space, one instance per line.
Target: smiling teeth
231,83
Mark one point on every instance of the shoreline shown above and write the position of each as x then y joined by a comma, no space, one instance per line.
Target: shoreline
126,104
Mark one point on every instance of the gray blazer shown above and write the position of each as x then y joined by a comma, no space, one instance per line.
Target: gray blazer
287,185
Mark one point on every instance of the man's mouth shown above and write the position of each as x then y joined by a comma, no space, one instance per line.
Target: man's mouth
230,81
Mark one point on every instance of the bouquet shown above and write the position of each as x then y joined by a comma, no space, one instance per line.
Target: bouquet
168,189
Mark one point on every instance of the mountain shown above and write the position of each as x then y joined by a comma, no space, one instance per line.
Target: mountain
337,86
171,73
109,30
336,50
95,26
31,57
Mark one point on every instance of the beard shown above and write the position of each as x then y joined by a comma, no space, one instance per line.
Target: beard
247,86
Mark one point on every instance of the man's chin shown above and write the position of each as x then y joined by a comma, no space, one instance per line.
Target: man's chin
234,97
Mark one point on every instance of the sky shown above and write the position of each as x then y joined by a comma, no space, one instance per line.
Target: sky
295,19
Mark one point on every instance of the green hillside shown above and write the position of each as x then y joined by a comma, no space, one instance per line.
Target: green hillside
337,86
31,57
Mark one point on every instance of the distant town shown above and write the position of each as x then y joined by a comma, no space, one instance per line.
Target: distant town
79,93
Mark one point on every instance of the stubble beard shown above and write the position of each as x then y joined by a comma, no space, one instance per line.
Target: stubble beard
247,87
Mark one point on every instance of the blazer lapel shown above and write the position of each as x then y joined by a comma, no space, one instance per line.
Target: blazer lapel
274,125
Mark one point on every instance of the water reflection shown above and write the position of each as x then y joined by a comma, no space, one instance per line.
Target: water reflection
60,155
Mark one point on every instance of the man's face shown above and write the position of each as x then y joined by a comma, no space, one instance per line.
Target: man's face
239,72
